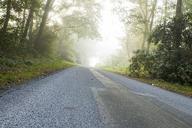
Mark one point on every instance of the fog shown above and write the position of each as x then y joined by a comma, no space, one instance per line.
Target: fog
140,38
110,28
115,33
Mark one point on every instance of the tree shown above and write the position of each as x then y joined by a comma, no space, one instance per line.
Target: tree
29,20
178,23
164,18
152,16
171,60
76,26
20,19
43,22
140,19
7,17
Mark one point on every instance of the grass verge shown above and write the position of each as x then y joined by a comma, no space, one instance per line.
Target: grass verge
177,88
13,72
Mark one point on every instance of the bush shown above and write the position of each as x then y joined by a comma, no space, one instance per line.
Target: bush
45,44
141,64
170,61
9,43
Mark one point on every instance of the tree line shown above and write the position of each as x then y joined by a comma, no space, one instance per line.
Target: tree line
171,59
161,31
18,26
26,26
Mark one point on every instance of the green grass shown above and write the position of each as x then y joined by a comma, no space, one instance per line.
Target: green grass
118,70
18,71
178,88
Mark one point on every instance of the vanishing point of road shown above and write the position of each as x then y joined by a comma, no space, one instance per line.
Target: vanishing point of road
87,98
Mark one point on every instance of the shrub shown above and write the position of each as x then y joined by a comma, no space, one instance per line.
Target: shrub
170,61
141,64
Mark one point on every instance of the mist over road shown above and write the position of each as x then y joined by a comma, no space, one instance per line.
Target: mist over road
86,98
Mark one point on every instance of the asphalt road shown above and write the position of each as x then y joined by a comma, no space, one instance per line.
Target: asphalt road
87,98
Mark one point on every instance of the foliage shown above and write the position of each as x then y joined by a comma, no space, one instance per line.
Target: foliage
46,42
141,64
8,43
27,28
32,43
170,61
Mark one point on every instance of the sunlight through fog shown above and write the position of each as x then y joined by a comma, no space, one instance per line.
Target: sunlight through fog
111,30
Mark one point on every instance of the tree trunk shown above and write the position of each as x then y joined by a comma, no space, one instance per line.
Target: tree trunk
179,9
28,21
43,22
178,23
8,14
153,15
31,28
24,18
165,18
151,21
145,33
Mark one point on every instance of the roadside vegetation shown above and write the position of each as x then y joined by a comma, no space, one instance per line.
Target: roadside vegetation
162,52
171,59
14,72
37,37
171,86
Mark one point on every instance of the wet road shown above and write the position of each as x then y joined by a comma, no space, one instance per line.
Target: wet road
86,98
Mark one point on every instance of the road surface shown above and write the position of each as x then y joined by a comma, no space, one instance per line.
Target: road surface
86,98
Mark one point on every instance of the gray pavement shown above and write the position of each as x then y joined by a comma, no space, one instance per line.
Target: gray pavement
85,98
